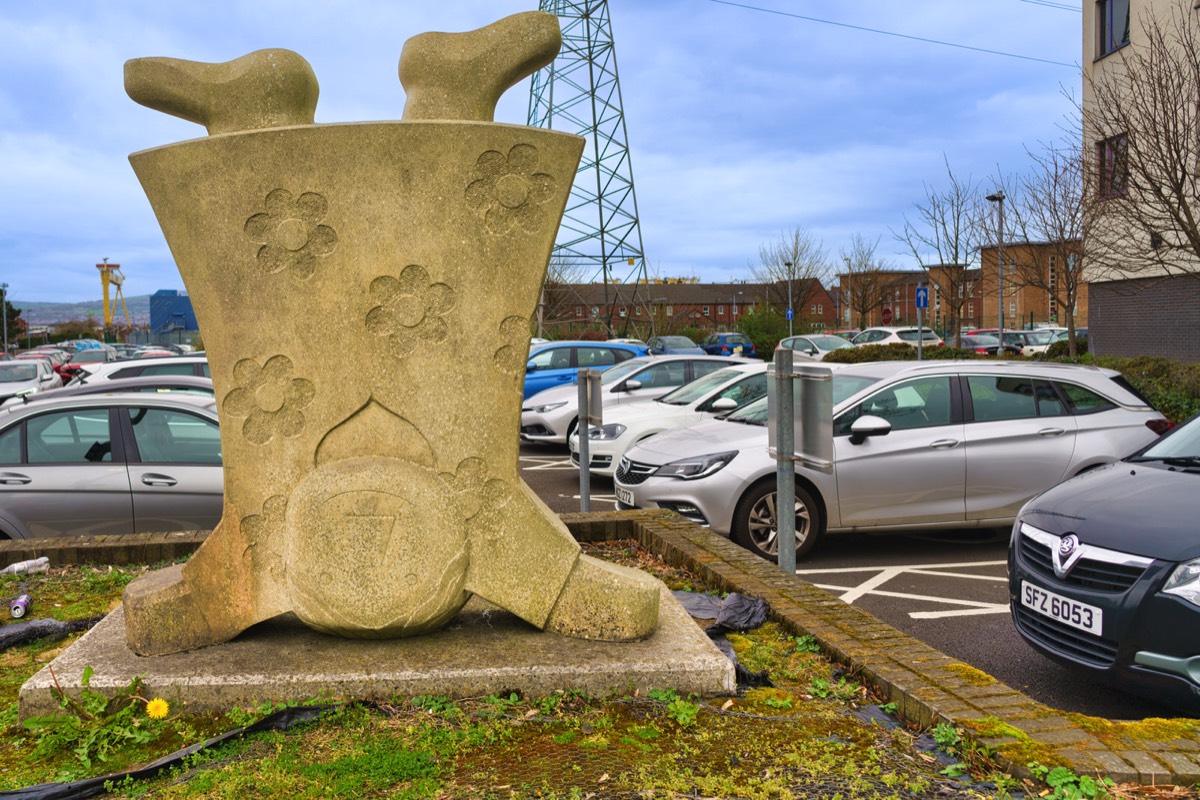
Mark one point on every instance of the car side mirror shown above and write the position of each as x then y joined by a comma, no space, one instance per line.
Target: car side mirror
631,385
812,351
531,367
868,425
723,404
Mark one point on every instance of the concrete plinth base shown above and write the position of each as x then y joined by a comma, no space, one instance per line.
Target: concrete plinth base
483,650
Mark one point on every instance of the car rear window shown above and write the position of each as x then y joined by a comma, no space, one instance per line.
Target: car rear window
1119,380
1084,401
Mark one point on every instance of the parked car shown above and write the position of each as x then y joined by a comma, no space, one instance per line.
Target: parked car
813,347
109,464
1104,571
558,363
1029,343
729,344
27,376
893,335
673,345
714,394
187,384
980,343
551,415
168,365
86,359
917,445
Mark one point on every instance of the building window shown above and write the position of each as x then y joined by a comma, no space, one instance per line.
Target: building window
670,311
1114,165
812,309
970,311
720,311
820,308
706,310
579,311
621,311
595,311
733,310
1012,308
1112,20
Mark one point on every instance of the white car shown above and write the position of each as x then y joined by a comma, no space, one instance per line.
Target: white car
917,445
907,335
27,376
703,399
552,414
1030,343
165,365
813,346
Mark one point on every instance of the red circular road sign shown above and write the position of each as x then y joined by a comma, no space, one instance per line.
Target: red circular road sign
887,316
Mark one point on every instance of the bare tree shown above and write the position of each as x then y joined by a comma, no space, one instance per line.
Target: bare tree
559,293
862,283
1046,211
944,237
789,264
1142,129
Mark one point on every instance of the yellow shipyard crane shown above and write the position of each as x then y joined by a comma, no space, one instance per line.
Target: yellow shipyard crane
111,277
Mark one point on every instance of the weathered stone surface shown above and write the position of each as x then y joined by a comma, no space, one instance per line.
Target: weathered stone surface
264,89
483,650
365,294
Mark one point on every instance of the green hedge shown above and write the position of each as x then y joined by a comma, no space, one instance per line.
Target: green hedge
1170,386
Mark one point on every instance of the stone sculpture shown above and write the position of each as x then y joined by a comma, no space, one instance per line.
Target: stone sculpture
365,293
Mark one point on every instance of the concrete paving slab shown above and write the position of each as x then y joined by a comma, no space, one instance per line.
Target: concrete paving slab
483,650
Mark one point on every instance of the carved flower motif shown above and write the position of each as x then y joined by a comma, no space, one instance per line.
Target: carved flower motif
514,332
474,490
270,399
509,191
410,310
289,233
264,532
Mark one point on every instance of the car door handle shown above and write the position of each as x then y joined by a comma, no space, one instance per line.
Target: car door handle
154,479
14,478
943,444
1052,432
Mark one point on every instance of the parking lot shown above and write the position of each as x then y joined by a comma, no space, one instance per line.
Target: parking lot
947,589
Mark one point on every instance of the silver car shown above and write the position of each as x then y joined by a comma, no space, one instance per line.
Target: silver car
27,376
552,414
814,346
917,445
110,464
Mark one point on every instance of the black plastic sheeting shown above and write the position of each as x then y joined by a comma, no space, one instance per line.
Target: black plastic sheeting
30,630
734,612
91,787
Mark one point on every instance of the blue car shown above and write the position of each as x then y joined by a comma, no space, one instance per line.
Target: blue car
729,344
557,363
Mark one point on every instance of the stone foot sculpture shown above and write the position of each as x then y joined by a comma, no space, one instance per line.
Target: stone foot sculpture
462,75
365,294
265,89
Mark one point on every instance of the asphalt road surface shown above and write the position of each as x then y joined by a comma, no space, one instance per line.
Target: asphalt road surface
949,590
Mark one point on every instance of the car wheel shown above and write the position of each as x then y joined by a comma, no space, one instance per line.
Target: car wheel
754,524
574,426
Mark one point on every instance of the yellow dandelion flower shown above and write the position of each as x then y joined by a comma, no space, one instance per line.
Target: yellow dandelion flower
157,708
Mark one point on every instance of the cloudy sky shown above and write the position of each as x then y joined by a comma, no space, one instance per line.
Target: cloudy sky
744,119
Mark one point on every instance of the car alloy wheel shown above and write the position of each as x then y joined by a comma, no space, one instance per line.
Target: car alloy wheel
755,527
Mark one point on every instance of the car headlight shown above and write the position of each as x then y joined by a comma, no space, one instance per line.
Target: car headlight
605,432
1185,582
696,467
547,407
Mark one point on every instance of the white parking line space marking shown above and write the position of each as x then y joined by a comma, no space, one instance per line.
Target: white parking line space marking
872,586
547,462
600,498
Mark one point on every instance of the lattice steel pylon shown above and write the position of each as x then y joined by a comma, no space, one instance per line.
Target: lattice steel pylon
580,93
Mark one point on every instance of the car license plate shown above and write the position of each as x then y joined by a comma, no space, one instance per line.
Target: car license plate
624,496
1056,607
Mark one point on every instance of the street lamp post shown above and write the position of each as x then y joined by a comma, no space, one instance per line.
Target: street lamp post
998,199
4,305
791,309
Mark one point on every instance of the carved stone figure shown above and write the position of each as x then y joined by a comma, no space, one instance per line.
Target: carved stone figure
365,293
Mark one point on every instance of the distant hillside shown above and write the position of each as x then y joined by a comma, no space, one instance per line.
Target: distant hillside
50,313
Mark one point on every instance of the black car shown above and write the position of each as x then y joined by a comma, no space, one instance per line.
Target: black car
1104,571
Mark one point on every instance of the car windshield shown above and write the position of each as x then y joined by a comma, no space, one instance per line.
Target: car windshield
691,392
829,342
677,341
843,386
911,336
1182,444
621,371
14,372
